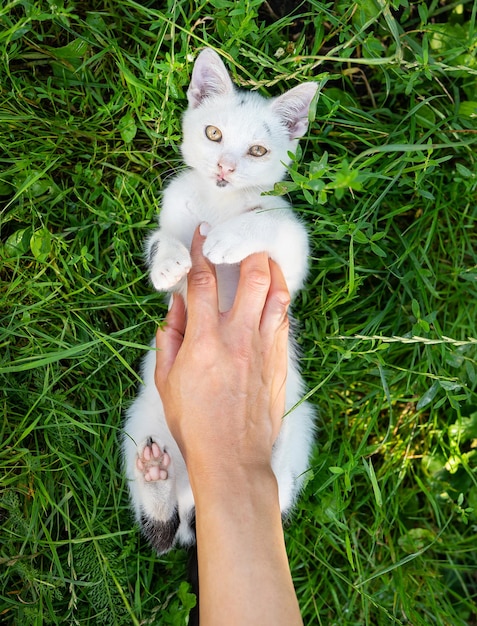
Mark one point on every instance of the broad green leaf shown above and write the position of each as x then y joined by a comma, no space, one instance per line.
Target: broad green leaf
468,108
416,310
416,539
428,396
359,236
450,385
127,127
76,49
40,244
18,243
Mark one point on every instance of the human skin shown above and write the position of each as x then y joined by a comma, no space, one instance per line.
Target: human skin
221,377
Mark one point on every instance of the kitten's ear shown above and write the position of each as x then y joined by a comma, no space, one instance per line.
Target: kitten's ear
293,107
209,78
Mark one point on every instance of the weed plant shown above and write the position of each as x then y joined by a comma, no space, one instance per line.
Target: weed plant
91,96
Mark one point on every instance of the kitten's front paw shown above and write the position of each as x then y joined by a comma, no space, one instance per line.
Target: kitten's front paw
227,247
167,272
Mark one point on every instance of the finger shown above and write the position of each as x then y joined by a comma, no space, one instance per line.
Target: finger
274,330
202,299
252,291
169,340
277,366
275,311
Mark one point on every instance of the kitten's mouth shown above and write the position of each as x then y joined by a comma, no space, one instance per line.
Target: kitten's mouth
221,182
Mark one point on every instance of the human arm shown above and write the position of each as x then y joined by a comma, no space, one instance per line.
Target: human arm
222,381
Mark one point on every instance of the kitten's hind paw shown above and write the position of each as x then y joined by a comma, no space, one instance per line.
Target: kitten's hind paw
153,462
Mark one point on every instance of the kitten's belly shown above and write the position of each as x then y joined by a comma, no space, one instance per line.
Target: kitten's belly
227,279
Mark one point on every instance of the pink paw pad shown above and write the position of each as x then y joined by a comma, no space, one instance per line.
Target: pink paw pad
153,462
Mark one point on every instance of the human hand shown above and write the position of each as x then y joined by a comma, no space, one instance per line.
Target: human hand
221,376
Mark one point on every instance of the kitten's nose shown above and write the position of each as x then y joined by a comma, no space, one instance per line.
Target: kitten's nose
226,165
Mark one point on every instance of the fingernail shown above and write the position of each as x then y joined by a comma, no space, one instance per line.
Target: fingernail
204,229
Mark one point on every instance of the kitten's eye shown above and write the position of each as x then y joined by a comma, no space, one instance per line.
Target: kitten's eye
213,133
257,151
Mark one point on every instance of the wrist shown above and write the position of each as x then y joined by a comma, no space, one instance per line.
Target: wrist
232,483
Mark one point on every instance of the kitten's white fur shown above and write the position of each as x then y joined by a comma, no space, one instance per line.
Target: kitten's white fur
222,187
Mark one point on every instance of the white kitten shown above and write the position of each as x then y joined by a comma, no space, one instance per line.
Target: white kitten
236,146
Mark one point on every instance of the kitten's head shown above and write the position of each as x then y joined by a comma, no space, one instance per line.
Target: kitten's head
238,139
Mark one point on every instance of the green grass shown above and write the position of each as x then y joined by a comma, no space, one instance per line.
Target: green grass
90,106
